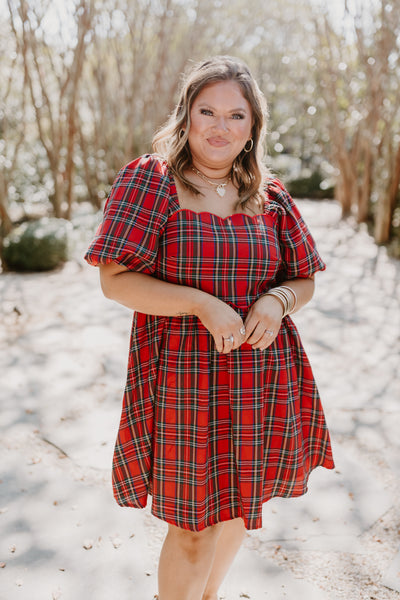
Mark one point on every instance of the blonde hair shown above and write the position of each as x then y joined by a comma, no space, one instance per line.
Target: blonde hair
171,141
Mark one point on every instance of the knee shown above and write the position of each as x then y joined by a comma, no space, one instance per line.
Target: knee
194,544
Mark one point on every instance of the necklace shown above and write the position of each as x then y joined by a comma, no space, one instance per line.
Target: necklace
220,188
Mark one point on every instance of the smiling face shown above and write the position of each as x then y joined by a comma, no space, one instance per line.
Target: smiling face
221,122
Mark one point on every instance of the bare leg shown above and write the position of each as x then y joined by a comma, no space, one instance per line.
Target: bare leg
185,562
228,545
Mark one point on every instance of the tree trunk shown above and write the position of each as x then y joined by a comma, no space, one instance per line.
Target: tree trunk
58,196
343,196
6,223
5,220
383,219
364,191
387,204
91,180
85,20
345,190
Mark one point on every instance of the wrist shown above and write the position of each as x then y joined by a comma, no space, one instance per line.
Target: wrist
199,302
286,296
275,301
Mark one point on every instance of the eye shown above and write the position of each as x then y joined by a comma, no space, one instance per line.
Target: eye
237,116
206,111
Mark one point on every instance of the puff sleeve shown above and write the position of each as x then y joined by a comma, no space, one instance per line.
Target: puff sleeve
134,216
299,254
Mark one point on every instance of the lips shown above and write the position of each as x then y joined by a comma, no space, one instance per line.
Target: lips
217,142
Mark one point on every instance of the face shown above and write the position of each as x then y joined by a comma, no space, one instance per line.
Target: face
221,122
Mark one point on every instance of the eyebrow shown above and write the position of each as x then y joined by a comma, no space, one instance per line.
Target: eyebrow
240,109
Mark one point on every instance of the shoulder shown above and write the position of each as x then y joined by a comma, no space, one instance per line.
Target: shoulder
146,167
152,163
147,173
274,188
277,197
141,191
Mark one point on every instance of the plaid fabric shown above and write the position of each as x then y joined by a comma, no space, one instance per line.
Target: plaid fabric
210,436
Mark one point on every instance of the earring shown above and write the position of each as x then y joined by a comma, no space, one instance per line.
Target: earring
251,145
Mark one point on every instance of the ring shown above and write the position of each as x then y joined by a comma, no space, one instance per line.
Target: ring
242,330
229,339
269,332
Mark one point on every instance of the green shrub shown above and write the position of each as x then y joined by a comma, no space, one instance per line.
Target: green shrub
309,187
37,246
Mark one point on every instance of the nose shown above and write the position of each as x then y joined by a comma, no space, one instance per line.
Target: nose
221,124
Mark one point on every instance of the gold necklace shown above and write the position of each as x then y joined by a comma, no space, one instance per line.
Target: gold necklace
220,188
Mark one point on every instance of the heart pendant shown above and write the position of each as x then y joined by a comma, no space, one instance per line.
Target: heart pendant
221,190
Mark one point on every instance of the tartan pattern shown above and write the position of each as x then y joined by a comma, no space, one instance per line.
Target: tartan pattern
210,436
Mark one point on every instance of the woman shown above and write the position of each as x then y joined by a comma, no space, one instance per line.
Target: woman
221,411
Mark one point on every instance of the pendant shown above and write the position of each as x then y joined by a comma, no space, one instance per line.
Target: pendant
221,189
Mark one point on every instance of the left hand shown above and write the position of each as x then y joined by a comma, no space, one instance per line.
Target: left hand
263,322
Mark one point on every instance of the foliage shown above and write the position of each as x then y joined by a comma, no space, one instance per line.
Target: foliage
39,245
309,187
87,82
358,84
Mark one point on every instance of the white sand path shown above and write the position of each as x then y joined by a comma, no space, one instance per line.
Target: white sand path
63,352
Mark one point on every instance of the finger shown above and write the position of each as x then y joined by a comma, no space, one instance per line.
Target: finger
239,337
229,343
249,331
219,344
250,325
257,334
265,341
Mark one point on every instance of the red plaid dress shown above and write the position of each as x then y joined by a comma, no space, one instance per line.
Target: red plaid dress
210,436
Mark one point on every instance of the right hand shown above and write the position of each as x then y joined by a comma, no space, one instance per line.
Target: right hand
222,321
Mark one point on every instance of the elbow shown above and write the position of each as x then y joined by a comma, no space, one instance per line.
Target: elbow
311,287
106,288
112,281
106,284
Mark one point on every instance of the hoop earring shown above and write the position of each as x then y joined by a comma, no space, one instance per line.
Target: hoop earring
251,145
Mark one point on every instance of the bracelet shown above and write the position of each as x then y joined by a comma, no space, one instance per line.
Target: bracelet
286,296
294,295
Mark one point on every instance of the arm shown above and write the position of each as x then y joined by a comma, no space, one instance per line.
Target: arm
304,289
152,296
300,260
147,294
267,312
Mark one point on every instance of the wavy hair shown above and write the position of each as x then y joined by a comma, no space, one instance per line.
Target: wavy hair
171,141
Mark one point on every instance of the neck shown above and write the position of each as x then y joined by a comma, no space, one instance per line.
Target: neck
213,173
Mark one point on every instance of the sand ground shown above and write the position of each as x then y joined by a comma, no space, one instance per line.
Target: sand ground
63,350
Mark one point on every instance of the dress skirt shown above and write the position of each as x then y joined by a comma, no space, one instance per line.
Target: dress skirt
210,436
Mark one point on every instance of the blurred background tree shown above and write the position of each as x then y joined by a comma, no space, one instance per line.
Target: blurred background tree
85,83
358,80
53,71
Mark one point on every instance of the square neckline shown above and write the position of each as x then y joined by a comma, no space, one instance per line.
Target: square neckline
175,198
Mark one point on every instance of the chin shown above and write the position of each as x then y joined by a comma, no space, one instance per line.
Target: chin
219,155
